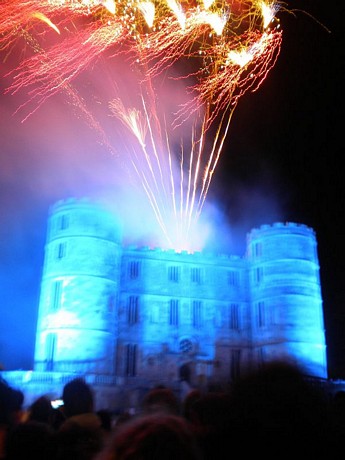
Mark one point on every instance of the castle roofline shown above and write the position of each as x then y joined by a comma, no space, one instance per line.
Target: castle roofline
70,201
281,227
179,255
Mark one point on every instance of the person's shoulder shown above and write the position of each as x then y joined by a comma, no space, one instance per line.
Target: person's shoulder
88,420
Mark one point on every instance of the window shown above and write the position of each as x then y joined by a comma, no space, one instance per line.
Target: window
131,360
56,296
196,312
186,346
261,320
173,312
258,249
133,310
233,278
234,320
50,346
173,274
261,357
61,250
259,275
235,362
134,269
63,222
196,275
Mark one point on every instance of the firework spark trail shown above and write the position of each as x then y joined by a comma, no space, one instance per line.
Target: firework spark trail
151,197
222,89
172,182
166,46
163,47
230,45
212,163
158,184
197,150
154,139
13,23
43,72
144,164
77,101
133,120
18,16
150,170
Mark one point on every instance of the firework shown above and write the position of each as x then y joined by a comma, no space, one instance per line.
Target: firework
221,50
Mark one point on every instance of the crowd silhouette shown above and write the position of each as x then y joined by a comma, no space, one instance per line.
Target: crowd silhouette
272,412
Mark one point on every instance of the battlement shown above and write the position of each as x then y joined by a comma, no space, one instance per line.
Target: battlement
281,227
280,230
162,253
63,204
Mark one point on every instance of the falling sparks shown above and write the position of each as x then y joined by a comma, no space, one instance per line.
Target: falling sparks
44,18
268,11
224,48
176,8
148,11
110,6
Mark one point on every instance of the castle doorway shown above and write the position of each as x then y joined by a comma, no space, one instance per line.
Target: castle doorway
185,372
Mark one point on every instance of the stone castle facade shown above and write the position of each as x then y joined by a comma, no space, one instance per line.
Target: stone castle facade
149,315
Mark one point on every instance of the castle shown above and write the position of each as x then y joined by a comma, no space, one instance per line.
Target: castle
139,316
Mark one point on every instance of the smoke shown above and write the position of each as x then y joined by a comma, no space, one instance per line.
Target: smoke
72,146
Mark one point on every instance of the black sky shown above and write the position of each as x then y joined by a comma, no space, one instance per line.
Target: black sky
283,161
287,139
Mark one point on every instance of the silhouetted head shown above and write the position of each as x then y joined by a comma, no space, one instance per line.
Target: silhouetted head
189,403
41,410
78,440
30,440
11,401
153,437
105,418
277,407
77,397
161,400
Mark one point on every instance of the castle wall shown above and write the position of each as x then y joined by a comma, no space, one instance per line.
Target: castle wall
148,314
76,324
287,317
185,304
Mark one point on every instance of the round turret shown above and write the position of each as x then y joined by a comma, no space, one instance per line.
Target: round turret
287,317
80,280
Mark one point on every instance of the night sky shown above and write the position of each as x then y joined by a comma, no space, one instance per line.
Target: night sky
282,162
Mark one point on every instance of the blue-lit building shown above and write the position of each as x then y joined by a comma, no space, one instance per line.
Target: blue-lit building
139,316
109,309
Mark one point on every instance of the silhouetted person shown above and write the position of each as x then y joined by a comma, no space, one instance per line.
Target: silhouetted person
80,436
209,419
106,419
188,410
153,437
161,400
278,413
77,397
337,410
41,411
11,401
30,440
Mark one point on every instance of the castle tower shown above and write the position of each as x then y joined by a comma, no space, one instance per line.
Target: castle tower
77,318
287,317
